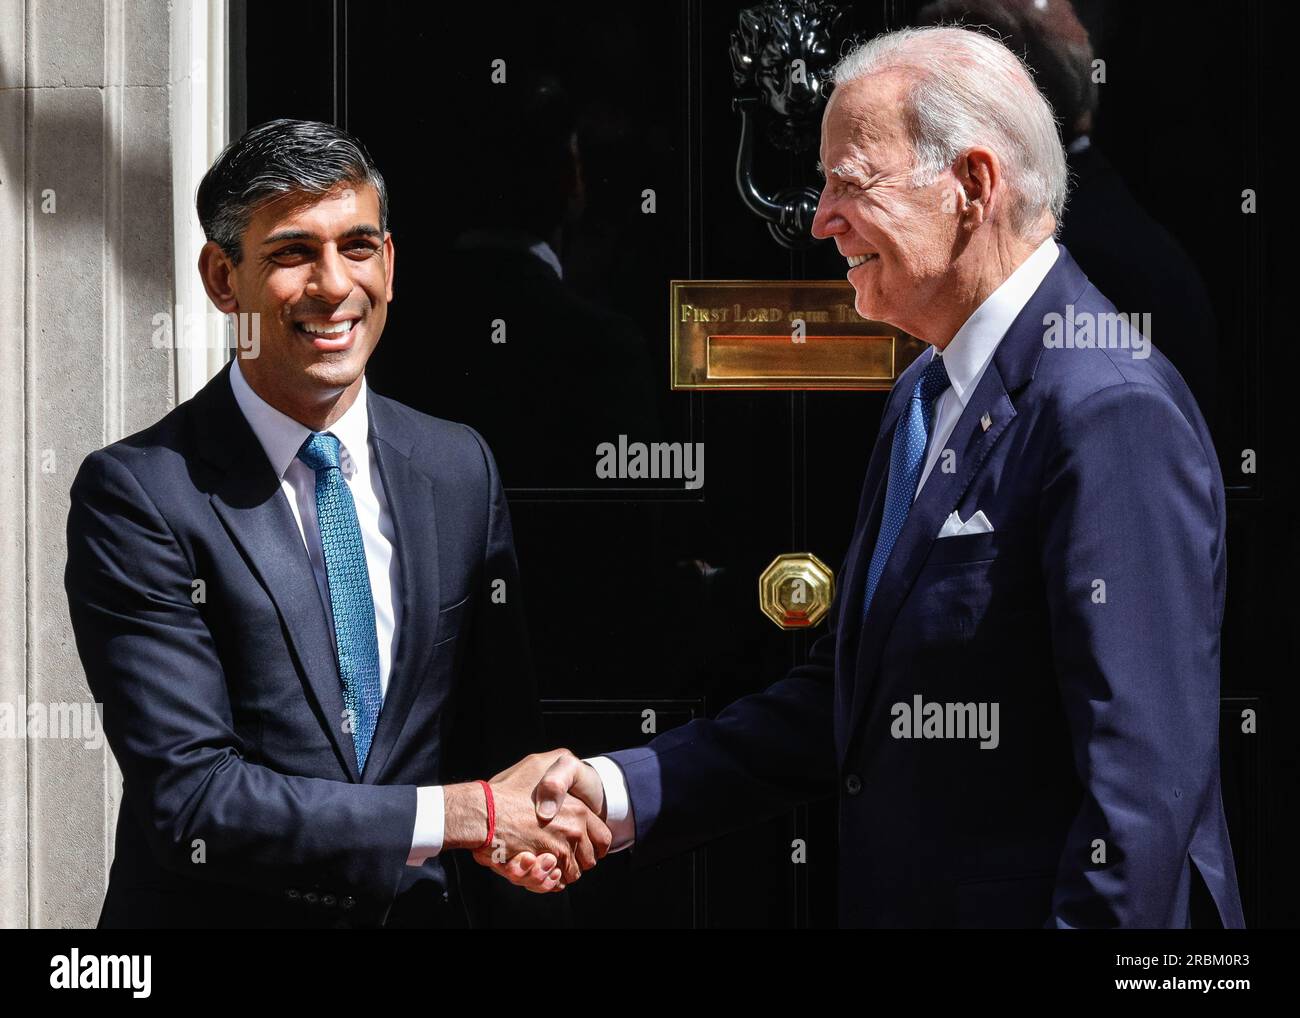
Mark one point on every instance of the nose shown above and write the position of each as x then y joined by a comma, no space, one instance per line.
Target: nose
330,281
827,222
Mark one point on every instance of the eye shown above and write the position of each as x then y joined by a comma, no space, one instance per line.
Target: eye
292,253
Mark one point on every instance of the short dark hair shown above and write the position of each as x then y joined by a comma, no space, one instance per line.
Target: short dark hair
274,159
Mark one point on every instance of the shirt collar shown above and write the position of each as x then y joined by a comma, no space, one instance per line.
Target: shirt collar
970,351
281,436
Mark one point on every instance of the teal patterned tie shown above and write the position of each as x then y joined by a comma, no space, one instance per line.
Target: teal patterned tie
349,587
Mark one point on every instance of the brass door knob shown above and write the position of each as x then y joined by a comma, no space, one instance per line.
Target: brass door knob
796,590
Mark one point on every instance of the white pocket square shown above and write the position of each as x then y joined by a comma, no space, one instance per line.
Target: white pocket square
977,524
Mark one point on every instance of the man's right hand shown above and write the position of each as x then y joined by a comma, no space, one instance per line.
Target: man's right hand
541,848
563,783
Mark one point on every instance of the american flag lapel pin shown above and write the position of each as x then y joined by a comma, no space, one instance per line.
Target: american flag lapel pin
986,421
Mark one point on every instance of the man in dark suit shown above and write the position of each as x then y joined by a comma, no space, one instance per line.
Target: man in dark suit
1017,700
298,601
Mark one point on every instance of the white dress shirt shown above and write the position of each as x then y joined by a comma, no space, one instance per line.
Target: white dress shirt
965,357
281,437
970,350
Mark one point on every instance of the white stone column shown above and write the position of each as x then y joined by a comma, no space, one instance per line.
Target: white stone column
87,221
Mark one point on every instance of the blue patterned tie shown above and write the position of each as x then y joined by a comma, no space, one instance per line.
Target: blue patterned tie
906,459
349,587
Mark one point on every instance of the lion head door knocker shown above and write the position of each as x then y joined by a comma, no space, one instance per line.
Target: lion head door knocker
781,57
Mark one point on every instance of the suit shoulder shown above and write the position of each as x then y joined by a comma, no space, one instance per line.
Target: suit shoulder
1087,409
1091,347
151,452
426,426
440,445
1099,373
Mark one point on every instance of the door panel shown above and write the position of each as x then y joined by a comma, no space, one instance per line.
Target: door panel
641,592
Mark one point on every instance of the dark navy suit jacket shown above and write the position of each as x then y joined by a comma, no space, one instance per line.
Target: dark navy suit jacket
242,804
1104,789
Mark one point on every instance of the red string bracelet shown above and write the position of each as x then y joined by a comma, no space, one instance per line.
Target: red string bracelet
492,814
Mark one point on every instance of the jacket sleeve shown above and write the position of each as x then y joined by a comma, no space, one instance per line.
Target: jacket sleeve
151,664
1132,558
761,756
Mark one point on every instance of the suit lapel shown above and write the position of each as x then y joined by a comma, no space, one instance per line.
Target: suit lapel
410,498
853,582
938,497
251,504
1013,366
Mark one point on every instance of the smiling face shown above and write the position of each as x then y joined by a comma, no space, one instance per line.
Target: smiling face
900,240
319,272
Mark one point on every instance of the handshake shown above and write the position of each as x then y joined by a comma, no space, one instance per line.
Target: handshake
549,824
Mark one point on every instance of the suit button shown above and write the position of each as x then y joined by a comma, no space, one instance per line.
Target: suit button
291,893
853,784
347,902
311,897
329,901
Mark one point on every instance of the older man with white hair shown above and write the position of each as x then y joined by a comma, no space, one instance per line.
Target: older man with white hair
1018,698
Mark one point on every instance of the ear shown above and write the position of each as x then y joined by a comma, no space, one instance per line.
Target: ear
980,176
217,272
389,253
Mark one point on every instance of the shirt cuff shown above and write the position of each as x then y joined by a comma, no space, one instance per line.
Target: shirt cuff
618,806
426,841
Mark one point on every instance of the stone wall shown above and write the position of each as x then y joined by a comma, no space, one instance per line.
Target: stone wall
86,223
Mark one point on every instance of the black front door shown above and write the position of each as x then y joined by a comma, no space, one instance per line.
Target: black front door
551,169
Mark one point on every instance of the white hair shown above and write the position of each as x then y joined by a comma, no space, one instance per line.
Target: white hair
968,90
